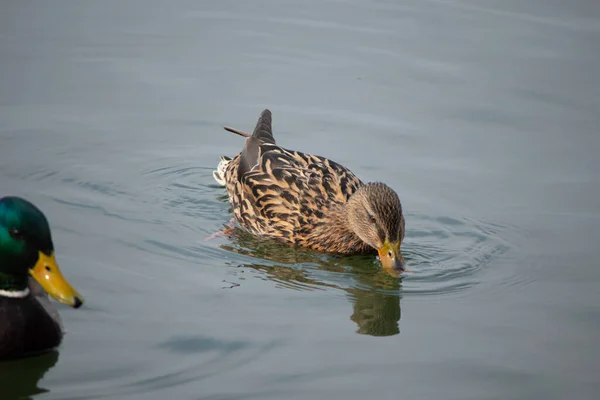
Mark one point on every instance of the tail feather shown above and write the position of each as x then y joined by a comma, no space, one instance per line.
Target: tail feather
249,155
237,131
251,151
263,130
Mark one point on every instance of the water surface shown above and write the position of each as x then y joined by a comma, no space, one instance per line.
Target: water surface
483,116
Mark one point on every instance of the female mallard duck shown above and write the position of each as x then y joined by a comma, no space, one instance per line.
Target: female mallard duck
310,201
29,324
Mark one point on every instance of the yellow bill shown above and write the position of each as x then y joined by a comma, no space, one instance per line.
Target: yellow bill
390,256
48,275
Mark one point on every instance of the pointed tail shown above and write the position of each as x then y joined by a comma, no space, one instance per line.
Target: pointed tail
263,130
263,133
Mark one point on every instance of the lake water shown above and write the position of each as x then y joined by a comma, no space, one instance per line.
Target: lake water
482,115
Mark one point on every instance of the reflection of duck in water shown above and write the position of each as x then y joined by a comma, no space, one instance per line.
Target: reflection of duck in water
376,313
376,302
19,378
29,322
310,201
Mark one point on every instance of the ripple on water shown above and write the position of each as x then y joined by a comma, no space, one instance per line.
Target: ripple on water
186,192
448,255
184,359
444,256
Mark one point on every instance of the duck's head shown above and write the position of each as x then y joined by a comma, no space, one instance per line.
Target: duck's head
26,249
375,216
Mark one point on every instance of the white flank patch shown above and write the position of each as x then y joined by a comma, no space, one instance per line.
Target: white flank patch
219,174
15,294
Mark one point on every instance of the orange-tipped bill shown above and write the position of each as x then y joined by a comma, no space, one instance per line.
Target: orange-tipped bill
48,275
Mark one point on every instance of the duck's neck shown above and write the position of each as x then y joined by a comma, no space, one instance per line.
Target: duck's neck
13,285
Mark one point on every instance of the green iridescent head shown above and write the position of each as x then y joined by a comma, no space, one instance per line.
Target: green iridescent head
26,249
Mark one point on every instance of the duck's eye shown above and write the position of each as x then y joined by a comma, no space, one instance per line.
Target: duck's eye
16,234
390,254
372,219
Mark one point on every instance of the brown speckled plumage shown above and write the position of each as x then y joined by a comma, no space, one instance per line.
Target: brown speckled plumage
304,199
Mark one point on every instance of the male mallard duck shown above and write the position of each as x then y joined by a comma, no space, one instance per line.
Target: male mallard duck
310,201
28,322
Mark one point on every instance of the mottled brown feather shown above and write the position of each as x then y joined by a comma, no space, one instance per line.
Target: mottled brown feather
292,196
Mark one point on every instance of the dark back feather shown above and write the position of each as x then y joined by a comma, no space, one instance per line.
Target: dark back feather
262,134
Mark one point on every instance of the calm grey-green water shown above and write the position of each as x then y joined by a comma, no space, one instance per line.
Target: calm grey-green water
482,115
